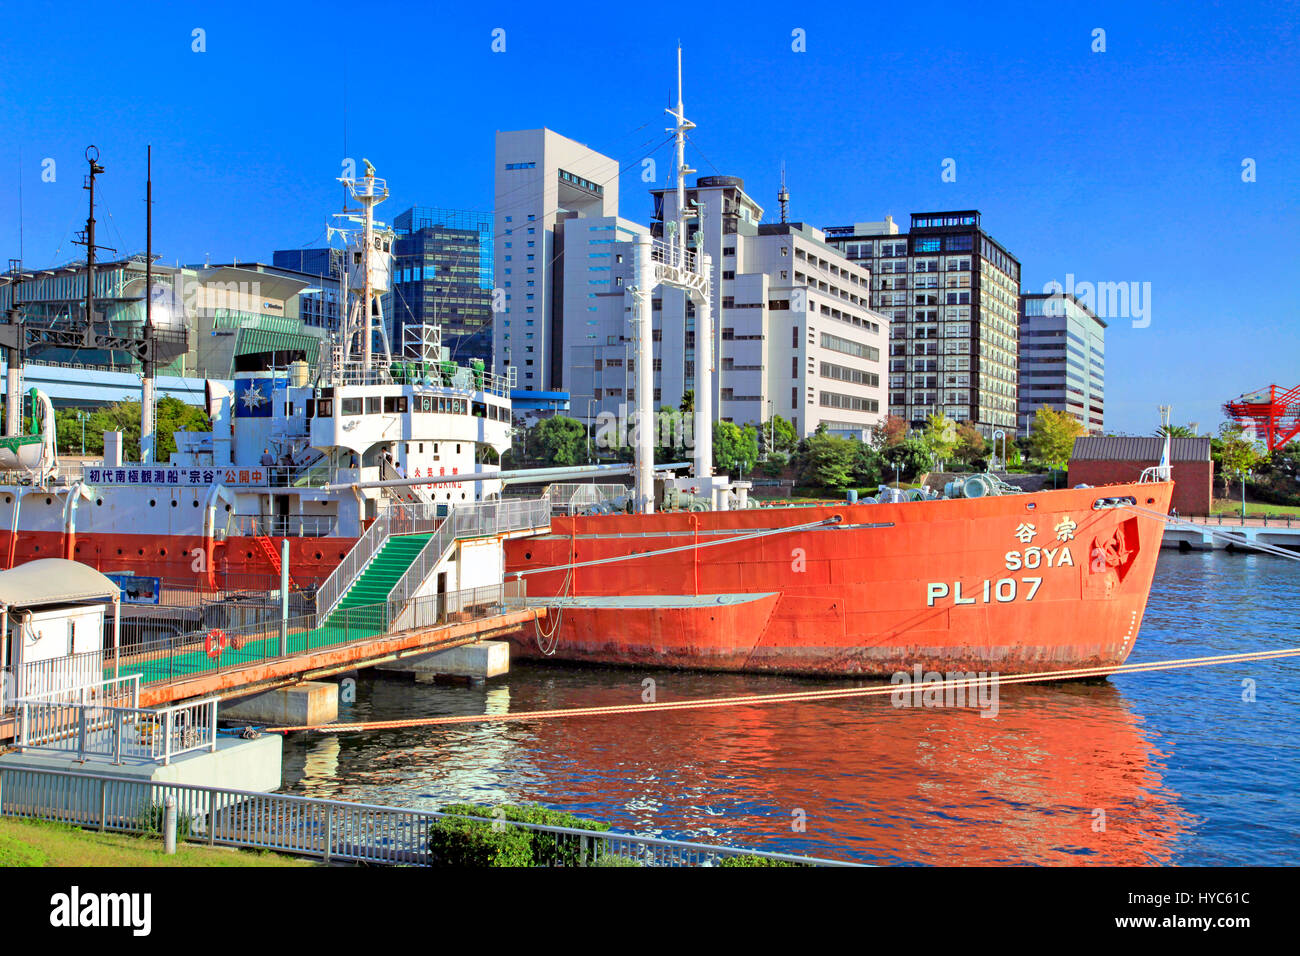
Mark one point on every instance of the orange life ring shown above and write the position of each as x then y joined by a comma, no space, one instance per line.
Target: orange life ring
215,641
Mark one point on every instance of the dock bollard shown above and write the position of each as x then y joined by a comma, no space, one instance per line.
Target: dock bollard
169,825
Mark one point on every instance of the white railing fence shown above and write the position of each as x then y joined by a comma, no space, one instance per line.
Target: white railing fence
118,732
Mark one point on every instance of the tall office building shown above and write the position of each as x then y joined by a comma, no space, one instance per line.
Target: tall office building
442,276
952,294
543,179
795,334
1062,359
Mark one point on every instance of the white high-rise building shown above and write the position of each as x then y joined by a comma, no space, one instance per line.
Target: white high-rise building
543,179
795,335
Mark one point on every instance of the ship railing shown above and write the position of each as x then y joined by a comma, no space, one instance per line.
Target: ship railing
671,254
463,522
117,733
407,372
331,830
333,588
577,498
285,526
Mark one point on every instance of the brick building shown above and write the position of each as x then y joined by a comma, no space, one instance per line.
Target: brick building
1102,461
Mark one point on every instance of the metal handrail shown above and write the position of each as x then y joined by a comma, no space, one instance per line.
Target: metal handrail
97,730
477,520
317,827
333,588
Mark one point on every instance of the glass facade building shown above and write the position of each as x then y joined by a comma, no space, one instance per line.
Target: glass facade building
442,275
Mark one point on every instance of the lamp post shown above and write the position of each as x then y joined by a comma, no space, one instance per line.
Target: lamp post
590,402
81,417
1003,461
1243,475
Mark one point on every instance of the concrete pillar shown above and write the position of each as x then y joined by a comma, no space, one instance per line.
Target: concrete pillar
306,703
477,661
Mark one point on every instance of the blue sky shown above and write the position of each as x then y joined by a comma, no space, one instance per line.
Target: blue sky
1115,166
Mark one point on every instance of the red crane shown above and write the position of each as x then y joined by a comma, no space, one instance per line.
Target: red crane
1273,413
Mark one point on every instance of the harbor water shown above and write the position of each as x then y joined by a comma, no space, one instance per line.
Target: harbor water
1191,767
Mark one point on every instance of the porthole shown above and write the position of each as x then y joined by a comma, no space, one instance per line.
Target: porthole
162,552
195,502
119,550
8,499
140,552
153,502
1151,501
49,501
227,507
528,555
36,548
175,502
319,555
99,502
340,555
248,554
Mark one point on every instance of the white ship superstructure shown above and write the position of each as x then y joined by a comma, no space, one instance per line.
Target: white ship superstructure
280,436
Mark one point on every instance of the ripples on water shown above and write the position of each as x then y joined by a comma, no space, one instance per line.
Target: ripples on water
1172,767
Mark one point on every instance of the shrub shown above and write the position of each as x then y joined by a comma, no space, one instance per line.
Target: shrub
751,860
476,843
461,842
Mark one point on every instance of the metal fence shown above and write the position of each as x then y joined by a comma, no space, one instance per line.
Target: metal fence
575,498
477,520
104,720
285,526
329,830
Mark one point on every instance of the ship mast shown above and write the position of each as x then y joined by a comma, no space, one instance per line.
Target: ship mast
368,273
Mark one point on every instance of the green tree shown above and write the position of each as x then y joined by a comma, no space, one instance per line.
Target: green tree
787,439
868,465
913,457
827,461
941,436
971,446
1052,435
170,416
1234,454
735,449
559,440
687,404
1175,431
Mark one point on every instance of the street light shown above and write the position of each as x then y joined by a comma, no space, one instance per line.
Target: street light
590,402
1243,475
81,417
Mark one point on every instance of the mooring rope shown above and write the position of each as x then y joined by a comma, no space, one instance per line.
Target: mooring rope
1239,540
796,696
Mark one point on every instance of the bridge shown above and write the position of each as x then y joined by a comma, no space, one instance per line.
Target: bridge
1218,532
68,383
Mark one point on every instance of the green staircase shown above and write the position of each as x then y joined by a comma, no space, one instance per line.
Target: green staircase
378,578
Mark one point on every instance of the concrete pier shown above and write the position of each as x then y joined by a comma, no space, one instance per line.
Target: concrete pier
1211,534
308,702
477,661
236,764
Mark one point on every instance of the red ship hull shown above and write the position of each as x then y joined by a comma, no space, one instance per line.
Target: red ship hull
1012,584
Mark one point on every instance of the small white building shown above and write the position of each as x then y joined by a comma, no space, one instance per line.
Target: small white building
52,615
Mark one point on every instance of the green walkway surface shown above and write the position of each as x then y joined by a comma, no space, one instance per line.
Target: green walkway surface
362,613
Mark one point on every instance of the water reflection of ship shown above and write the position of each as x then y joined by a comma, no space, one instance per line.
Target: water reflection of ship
870,781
